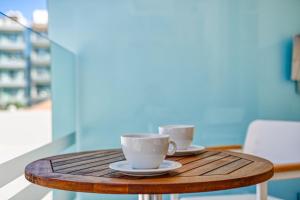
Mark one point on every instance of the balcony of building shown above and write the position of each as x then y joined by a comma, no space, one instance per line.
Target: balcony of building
13,22
40,76
10,26
40,59
12,96
12,84
40,93
39,41
12,79
8,45
12,63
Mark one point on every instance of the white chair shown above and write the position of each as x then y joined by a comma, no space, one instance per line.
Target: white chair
277,141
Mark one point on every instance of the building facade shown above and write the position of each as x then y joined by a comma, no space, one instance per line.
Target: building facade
24,61
40,58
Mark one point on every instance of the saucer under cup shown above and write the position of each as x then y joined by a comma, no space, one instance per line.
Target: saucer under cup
182,135
191,150
125,168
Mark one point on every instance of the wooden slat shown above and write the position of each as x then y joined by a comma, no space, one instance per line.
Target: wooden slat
174,158
65,157
90,171
89,167
189,159
210,166
177,158
102,172
198,163
87,161
227,169
115,174
98,155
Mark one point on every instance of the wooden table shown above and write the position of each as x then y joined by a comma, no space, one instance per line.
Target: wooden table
208,171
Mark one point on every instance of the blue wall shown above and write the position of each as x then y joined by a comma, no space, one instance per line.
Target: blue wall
218,64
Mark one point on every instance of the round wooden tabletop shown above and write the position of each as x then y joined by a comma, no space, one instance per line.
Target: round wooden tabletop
208,171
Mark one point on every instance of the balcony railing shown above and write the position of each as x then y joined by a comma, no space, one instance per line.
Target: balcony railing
12,63
40,60
12,45
10,26
12,84
14,168
39,41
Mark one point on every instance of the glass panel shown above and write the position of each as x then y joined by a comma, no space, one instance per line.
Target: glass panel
27,69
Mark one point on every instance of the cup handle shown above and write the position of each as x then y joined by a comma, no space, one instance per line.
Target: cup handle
173,149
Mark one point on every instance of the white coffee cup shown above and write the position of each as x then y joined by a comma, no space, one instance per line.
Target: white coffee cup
182,135
146,151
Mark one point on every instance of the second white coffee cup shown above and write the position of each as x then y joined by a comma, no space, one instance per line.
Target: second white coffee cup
182,135
146,151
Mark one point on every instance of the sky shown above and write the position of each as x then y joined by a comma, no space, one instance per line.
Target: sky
25,6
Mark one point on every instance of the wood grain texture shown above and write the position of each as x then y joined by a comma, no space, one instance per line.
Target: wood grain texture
208,171
287,167
225,147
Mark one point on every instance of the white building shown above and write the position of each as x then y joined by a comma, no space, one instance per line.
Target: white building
24,60
12,60
40,57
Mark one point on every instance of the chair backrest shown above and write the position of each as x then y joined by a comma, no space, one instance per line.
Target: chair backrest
277,141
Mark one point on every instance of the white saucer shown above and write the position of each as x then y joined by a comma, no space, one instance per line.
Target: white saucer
192,150
125,168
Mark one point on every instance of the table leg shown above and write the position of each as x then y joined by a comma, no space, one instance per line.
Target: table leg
262,191
174,197
150,197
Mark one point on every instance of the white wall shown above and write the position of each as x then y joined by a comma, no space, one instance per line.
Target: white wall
22,131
